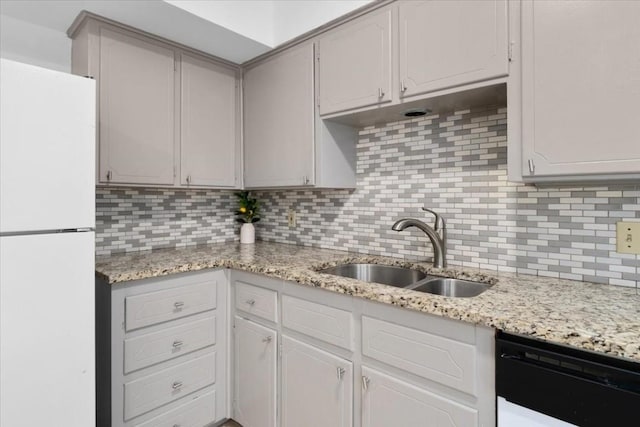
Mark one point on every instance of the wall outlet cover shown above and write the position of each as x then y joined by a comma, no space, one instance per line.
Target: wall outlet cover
628,237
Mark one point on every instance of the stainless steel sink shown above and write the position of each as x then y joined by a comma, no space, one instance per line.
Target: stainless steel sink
409,279
451,287
385,274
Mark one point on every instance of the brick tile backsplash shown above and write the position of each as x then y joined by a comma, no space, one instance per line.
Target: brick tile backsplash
453,163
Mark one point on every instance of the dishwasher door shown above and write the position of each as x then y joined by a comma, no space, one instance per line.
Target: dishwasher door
544,383
512,415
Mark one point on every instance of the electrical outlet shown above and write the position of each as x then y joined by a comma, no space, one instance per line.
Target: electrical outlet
291,218
628,237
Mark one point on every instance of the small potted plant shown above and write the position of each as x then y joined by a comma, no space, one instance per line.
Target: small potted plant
247,213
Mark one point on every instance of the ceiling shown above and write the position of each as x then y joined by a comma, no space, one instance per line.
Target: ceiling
234,30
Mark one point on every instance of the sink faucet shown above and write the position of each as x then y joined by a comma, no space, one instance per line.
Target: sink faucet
436,234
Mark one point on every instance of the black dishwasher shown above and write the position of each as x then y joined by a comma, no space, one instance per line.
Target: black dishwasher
563,384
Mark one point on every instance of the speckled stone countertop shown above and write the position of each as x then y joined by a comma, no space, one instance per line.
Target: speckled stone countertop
595,317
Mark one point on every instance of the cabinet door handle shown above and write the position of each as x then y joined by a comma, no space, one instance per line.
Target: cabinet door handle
380,93
268,339
403,87
305,180
176,385
178,305
108,175
177,344
188,179
532,167
365,383
251,302
340,372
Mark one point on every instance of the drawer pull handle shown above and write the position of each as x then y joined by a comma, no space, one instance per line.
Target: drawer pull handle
251,302
177,344
341,372
176,425
365,383
178,305
268,339
176,385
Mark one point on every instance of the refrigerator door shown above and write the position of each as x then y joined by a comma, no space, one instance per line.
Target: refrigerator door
47,338
47,149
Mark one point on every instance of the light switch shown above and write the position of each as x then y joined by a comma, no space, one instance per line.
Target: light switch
628,237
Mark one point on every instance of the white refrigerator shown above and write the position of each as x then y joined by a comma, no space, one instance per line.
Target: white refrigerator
47,219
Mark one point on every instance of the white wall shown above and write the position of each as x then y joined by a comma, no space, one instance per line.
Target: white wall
271,22
293,18
33,44
250,18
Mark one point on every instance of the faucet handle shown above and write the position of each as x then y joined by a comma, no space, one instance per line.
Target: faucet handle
439,223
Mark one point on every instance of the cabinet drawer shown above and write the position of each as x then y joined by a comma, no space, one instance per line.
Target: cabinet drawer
155,307
152,391
318,321
148,349
258,301
430,356
199,412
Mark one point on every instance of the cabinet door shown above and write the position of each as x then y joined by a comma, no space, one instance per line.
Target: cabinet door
580,87
387,401
316,387
255,374
355,64
207,123
136,110
279,120
450,43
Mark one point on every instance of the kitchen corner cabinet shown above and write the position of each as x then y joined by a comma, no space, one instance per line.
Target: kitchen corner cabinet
161,351
254,374
285,142
580,89
166,116
356,64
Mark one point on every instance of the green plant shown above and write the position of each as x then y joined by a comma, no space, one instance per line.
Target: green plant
248,208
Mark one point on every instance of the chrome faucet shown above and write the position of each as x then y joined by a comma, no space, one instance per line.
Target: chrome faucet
436,234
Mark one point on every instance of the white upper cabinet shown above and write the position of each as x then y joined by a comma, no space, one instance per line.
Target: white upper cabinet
208,129
580,90
451,43
355,64
167,115
279,120
411,51
285,142
136,119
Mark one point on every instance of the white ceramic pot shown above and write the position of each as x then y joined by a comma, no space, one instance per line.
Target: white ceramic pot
247,233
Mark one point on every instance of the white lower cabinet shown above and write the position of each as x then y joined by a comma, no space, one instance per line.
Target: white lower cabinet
196,413
162,351
317,387
341,361
389,401
254,374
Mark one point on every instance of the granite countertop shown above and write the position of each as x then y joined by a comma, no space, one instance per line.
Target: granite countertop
590,316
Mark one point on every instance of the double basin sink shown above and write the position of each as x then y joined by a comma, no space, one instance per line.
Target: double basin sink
407,278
